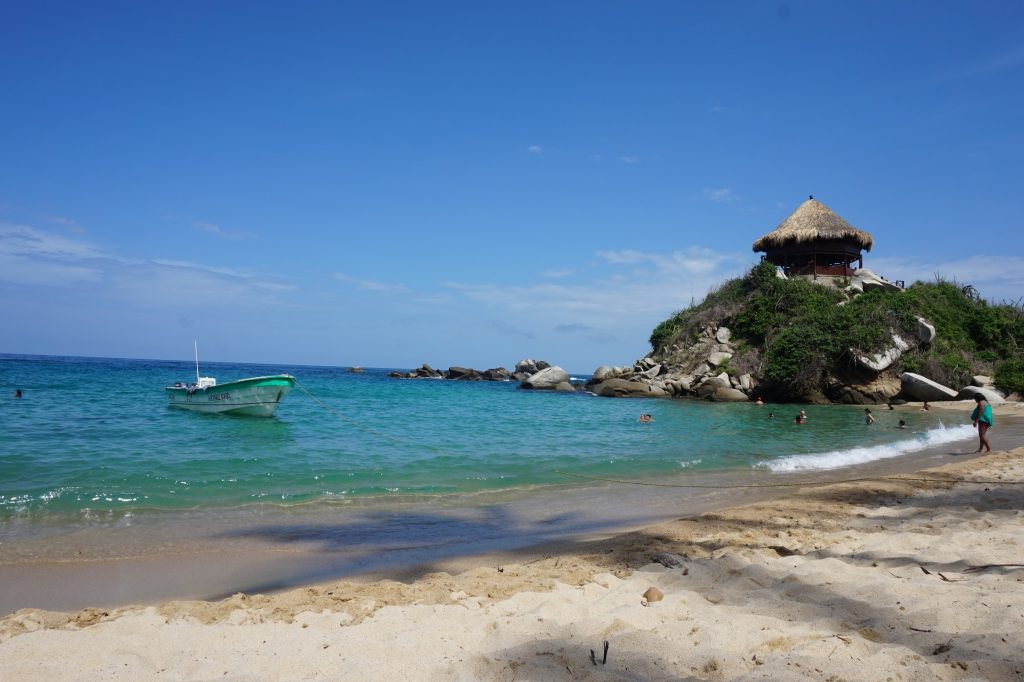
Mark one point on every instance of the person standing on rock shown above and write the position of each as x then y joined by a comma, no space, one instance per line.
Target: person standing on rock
982,419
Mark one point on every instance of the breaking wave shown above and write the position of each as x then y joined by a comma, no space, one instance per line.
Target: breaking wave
835,459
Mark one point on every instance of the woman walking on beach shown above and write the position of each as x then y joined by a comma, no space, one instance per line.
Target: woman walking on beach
982,418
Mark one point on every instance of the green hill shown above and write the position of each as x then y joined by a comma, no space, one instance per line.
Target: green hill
799,339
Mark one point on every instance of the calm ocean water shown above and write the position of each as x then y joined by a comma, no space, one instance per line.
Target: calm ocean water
96,435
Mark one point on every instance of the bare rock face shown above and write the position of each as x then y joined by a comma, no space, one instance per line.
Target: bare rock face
546,379
866,280
717,358
879,362
621,388
923,388
992,396
728,395
925,330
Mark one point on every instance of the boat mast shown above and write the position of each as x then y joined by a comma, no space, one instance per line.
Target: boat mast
196,345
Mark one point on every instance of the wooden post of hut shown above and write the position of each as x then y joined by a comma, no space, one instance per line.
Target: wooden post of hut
814,242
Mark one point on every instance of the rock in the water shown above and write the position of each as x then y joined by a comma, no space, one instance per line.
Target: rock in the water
728,395
881,361
355,370
925,330
546,379
718,358
653,594
565,387
968,392
723,335
497,374
923,388
621,388
603,372
527,366
463,374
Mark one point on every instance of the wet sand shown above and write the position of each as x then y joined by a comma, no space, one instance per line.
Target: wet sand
818,581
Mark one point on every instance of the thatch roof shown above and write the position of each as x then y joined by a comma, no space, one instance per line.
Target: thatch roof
812,221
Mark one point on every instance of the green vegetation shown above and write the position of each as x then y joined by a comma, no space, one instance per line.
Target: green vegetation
806,331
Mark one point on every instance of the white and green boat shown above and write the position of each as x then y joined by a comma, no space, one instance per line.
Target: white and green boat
258,396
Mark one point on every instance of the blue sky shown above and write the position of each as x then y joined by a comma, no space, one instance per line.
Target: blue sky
386,184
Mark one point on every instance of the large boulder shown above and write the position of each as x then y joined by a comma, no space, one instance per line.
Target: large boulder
923,388
865,280
881,361
496,374
463,374
527,366
981,380
717,358
728,395
968,393
603,372
925,331
723,335
620,388
546,379
565,387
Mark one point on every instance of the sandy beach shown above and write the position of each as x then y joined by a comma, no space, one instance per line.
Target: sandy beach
897,578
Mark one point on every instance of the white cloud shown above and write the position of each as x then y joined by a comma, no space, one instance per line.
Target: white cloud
693,261
630,159
721,195
997,278
22,240
535,149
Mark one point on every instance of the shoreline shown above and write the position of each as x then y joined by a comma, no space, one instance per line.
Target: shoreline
195,556
822,581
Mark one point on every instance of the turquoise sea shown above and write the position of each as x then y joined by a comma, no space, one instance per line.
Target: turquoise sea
109,496
96,435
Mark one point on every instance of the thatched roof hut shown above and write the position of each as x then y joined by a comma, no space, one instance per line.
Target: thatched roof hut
814,241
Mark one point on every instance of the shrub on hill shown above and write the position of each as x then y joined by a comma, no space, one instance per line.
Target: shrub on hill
805,331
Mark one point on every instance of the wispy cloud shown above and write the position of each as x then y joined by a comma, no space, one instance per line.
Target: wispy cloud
1008,59
506,329
217,230
32,256
573,328
69,223
372,285
557,274
721,195
535,149
629,159
996,278
693,261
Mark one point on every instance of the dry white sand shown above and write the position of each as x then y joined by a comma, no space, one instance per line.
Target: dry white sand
863,581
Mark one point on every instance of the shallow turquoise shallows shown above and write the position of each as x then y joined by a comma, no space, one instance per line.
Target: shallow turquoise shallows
95,435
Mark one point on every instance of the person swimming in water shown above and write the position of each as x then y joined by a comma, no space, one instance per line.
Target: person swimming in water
17,393
869,418
645,418
902,425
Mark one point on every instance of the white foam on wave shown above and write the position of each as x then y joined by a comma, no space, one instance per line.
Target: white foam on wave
835,459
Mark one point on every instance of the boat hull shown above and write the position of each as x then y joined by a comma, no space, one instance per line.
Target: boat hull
258,396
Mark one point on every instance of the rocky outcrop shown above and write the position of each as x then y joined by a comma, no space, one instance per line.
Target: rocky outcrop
991,395
866,280
456,373
879,362
925,331
424,372
728,395
547,379
621,388
921,388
